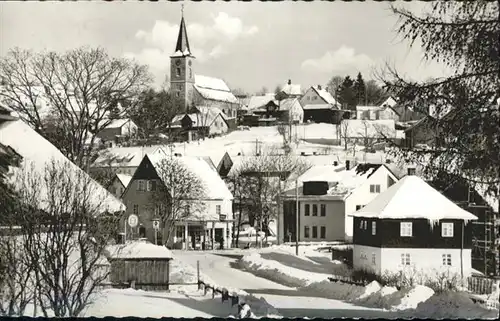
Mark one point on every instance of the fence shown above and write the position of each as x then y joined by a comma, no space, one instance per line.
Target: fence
141,273
481,285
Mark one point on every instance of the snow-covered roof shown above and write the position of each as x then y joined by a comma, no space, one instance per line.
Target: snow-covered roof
289,104
118,123
391,102
138,249
325,95
38,153
124,156
327,173
205,116
413,198
292,89
214,89
124,179
317,106
215,187
369,128
256,102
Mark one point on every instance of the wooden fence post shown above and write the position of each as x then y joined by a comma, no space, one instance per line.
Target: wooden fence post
198,274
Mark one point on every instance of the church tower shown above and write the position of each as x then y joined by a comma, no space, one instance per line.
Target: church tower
181,68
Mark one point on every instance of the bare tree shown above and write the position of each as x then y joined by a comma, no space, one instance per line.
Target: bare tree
260,175
64,233
179,195
344,132
79,88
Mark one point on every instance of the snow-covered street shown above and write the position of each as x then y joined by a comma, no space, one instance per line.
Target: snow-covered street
288,301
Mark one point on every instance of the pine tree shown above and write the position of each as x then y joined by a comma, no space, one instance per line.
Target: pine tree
360,90
464,36
347,94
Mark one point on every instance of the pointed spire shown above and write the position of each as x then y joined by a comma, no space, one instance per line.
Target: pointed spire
182,46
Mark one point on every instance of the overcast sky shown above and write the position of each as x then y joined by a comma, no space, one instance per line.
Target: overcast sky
250,45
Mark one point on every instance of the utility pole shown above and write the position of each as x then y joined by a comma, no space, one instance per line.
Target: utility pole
297,230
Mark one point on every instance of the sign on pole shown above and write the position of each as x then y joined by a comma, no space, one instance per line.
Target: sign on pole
156,224
133,220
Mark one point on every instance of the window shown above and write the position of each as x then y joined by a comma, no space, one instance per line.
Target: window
374,228
315,210
217,209
447,259
406,228
361,224
136,209
365,225
190,73
405,259
306,232
315,232
323,209
140,185
149,185
358,207
375,188
411,171
322,232
306,210
177,71
447,229
374,258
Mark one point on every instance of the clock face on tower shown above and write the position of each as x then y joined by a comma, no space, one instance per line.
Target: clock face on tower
177,63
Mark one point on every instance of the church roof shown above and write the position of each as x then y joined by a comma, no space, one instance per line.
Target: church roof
214,89
182,47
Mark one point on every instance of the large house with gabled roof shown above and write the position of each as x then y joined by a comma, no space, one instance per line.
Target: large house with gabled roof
195,89
320,106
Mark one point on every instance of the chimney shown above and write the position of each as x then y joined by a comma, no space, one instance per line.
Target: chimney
289,81
335,163
302,153
319,87
347,165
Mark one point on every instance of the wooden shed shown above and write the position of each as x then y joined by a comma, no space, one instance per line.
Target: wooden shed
141,265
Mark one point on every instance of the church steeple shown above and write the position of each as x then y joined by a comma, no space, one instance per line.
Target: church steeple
182,46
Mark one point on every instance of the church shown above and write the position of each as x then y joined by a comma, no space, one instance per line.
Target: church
195,89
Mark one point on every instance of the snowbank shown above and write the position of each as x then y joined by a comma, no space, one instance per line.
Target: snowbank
453,305
418,300
278,272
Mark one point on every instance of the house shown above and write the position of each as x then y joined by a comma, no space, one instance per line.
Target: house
320,106
263,106
212,224
119,184
368,132
425,132
383,112
122,160
412,228
204,121
289,90
290,111
36,153
327,195
116,129
196,89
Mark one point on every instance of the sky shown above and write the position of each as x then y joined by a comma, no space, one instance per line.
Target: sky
250,45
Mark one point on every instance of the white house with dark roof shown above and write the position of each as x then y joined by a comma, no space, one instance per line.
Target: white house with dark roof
197,89
319,105
414,229
328,195
209,119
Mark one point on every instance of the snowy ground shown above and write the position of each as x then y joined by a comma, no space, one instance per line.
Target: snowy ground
311,278
288,301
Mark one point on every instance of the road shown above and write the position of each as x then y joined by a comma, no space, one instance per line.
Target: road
290,303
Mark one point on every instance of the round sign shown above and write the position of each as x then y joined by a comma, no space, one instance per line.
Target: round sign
133,220
156,224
